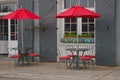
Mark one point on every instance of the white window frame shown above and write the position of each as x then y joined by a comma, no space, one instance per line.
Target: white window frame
79,23
78,2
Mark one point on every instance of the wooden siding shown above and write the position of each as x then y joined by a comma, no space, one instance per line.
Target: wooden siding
105,33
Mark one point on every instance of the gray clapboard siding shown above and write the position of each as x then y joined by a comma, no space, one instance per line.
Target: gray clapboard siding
48,38
105,33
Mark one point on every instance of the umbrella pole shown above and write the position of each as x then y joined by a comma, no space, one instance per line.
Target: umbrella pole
22,35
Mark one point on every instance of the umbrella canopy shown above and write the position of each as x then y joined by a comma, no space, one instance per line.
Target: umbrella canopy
77,11
21,14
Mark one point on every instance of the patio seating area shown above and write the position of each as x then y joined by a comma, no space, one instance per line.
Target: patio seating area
48,71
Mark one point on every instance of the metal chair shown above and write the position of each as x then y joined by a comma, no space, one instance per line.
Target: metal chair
62,59
13,53
31,54
89,57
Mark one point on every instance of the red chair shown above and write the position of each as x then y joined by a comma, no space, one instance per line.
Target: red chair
89,56
15,57
93,57
13,54
31,55
62,59
85,59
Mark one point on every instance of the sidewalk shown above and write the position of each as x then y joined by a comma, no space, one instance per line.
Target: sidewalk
48,71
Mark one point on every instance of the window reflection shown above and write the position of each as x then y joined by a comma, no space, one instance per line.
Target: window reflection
8,7
84,3
4,30
70,25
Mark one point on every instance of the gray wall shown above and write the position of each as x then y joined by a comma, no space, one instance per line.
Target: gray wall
48,36
117,19
27,34
105,33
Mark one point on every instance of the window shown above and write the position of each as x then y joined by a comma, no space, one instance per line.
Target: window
88,26
84,3
78,30
70,25
8,7
4,30
13,30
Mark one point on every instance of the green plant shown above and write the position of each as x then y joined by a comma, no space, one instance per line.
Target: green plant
79,35
89,35
85,35
70,35
65,35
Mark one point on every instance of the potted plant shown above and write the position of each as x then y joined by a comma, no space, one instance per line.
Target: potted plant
70,37
89,35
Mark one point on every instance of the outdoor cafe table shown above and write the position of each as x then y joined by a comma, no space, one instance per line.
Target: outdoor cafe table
24,59
77,57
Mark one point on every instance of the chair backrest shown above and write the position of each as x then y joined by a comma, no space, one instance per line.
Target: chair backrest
58,53
91,50
12,51
68,47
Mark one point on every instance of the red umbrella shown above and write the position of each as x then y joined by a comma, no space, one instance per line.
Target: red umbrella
77,11
21,14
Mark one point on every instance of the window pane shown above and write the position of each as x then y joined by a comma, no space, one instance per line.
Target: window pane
66,3
83,3
67,27
91,20
73,2
69,3
74,20
12,6
91,3
73,27
5,8
67,20
1,21
84,20
84,27
91,27
8,7
12,21
12,28
5,22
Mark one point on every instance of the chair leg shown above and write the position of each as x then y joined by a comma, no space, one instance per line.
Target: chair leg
60,66
15,63
58,63
67,63
31,59
9,63
84,63
72,62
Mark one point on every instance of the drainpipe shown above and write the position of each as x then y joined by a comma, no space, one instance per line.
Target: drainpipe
33,28
36,31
